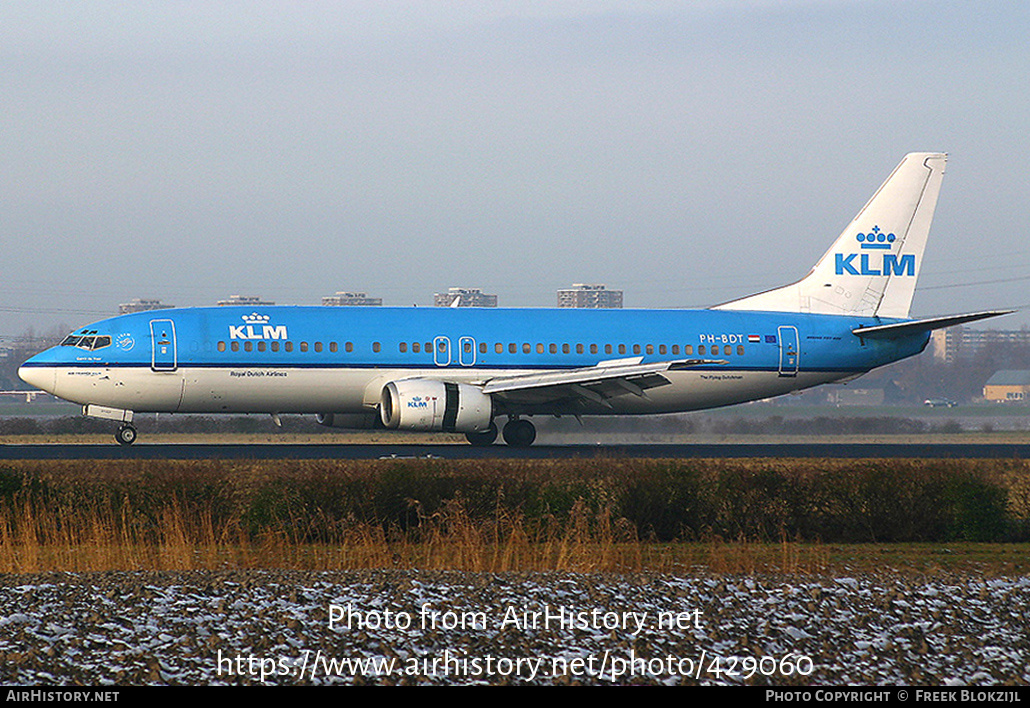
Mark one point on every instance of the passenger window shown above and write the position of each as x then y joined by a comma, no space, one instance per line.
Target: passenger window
429,347
512,348
235,346
303,346
579,348
675,349
539,348
376,347
727,350
553,348
607,348
740,350
349,346
636,348
333,347
701,349
482,347
661,349
499,348
288,346
689,349
416,347
318,346
275,346
622,349
565,349
221,346
593,349
526,348
261,346
404,347
467,347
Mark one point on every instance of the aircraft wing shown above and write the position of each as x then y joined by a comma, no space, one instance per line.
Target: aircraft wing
592,383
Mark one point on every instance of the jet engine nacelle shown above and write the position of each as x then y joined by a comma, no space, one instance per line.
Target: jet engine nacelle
425,404
352,421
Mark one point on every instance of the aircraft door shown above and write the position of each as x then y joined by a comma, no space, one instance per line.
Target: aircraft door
789,351
442,351
163,354
467,351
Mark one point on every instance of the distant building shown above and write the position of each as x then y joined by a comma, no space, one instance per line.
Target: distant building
245,300
963,342
846,396
346,299
591,296
465,297
138,305
1008,386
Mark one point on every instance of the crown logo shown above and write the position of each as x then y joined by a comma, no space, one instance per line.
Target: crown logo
876,239
255,318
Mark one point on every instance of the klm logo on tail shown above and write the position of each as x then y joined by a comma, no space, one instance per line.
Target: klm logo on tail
875,263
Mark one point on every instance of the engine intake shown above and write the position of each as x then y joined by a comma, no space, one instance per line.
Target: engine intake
425,404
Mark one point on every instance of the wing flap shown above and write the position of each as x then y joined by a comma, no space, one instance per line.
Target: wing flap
595,383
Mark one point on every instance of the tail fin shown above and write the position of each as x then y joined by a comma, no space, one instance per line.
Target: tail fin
872,267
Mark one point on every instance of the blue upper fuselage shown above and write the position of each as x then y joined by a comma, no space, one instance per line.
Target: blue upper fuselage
463,338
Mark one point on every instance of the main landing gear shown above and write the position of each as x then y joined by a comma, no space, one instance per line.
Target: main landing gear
484,438
126,435
517,432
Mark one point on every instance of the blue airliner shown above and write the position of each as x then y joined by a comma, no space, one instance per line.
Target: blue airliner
459,369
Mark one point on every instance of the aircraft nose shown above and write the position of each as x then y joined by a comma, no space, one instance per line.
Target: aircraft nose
42,377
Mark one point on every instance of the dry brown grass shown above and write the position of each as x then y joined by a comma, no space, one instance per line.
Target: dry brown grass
105,516
99,538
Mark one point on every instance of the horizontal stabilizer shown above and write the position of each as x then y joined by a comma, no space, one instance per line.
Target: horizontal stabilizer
905,329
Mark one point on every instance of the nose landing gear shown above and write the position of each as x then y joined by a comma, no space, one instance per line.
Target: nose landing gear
126,435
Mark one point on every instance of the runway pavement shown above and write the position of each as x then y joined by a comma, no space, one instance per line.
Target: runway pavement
203,451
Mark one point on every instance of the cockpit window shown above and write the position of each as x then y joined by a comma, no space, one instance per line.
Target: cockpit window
89,342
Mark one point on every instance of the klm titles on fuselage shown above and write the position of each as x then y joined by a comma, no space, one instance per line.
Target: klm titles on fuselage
868,263
256,327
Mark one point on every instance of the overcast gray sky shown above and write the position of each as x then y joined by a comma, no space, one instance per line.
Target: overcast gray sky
685,152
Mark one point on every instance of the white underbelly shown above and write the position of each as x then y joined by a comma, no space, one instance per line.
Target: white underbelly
340,390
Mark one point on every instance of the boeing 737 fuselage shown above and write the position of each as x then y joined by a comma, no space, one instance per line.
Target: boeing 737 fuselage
457,369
